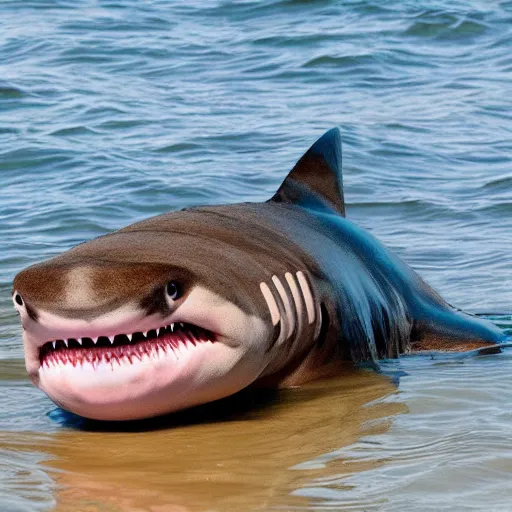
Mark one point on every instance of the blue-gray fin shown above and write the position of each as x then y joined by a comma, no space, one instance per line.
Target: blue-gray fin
316,180
446,326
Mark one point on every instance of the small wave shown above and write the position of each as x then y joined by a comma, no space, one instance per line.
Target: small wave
499,184
27,158
122,124
179,147
74,130
498,208
303,2
106,111
294,40
10,92
445,27
342,61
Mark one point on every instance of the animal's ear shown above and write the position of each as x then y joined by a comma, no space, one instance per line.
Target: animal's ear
316,179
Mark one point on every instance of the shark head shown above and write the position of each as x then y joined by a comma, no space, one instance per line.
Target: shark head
178,310
119,340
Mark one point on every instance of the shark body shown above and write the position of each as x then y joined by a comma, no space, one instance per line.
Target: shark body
191,306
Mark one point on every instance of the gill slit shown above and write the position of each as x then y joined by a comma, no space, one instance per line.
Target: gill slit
297,300
290,316
289,304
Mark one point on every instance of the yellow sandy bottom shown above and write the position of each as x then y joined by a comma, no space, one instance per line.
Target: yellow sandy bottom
239,454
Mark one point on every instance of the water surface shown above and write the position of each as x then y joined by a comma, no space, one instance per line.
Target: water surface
112,111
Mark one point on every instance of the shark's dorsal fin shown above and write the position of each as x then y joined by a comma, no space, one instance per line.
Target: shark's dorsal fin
316,177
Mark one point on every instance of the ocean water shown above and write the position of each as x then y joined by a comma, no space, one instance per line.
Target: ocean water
113,111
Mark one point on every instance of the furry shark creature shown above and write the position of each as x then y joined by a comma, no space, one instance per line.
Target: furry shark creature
194,305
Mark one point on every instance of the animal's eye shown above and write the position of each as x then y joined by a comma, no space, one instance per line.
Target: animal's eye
18,299
173,290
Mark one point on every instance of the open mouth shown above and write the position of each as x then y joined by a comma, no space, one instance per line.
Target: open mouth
123,348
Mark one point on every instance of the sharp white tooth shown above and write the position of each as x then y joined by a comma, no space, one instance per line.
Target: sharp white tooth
129,336
158,332
111,338
95,340
66,342
54,343
80,340
182,325
145,333
172,327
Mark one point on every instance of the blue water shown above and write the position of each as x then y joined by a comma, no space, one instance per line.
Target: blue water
113,111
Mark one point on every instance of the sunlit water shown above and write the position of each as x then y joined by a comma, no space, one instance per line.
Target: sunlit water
112,111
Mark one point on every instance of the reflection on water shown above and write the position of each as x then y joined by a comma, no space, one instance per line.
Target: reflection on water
245,453
429,430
